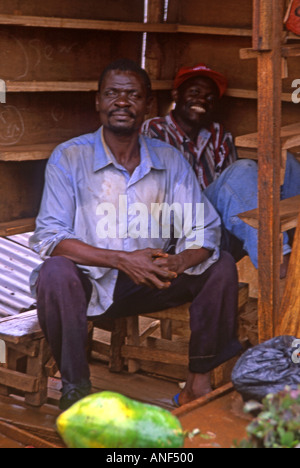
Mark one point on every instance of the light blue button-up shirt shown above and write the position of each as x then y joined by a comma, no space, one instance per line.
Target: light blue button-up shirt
89,196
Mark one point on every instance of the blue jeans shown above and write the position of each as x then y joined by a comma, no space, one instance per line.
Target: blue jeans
235,191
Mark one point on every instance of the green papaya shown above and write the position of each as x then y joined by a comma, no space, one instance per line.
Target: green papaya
112,420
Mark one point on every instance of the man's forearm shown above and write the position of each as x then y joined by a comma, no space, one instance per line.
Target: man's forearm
85,254
181,262
138,265
193,257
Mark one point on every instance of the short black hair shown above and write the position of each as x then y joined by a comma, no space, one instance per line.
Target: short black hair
125,65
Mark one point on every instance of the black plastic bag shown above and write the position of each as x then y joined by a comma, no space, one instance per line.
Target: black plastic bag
267,368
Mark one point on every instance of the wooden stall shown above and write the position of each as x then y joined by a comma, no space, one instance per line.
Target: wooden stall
52,54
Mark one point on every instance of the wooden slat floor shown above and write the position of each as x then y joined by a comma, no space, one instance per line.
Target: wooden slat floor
220,419
40,422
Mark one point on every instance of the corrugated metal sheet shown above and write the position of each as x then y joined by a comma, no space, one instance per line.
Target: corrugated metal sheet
16,264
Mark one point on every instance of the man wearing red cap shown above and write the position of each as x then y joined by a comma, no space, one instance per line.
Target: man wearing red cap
229,184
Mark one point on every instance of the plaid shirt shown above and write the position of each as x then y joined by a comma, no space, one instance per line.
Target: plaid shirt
212,154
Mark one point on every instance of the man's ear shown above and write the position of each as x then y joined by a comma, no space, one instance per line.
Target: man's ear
97,102
149,104
175,95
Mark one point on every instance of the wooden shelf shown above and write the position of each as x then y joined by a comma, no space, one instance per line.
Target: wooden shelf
292,50
69,23
288,213
68,86
290,138
287,51
27,153
87,86
17,227
216,31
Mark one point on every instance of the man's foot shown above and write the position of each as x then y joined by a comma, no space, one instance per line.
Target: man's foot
72,396
197,386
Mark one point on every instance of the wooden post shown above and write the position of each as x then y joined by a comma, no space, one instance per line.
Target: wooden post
262,24
290,306
153,62
269,157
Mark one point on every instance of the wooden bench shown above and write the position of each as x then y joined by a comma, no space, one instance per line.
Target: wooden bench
167,355
29,362
27,355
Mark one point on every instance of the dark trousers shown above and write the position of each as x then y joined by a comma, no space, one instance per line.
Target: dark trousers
63,293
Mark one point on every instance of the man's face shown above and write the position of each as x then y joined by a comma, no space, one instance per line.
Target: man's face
122,102
195,100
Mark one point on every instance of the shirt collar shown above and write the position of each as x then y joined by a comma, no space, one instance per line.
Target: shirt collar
104,157
203,136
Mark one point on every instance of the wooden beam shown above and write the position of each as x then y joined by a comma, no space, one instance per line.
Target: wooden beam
98,25
289,138
290,306
215,31
88,86
268,34
291,50
17,380
17,227
27,153
289,210
262,24
24,437
154,24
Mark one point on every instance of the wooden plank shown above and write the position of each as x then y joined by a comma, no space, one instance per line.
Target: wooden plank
156,355
27,153
18,380
291,50
98,25
262,24
69,86
20,328
150,27
17,227
29,349
289,323
180,313
88,86
215,31
289,136
24,437
289,210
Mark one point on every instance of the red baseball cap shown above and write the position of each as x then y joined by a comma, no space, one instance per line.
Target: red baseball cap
185,73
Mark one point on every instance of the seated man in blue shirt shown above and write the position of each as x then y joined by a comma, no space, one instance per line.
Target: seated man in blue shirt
112,200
